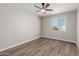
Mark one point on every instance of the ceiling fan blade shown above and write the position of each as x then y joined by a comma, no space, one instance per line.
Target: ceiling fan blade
37,7
49,9
43,5
46,5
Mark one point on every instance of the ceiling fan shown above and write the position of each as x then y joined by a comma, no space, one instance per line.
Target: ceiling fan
44,7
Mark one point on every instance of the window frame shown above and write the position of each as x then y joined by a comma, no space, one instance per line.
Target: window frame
57,17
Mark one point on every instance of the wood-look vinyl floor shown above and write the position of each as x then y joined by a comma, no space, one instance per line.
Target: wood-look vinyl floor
43,47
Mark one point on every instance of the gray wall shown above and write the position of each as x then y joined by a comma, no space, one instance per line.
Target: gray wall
78,27
70,33
17,26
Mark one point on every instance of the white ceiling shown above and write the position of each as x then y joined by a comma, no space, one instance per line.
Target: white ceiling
57,7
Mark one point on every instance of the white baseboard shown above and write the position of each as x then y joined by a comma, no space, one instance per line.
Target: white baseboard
77,45
34,39
18,44
60,39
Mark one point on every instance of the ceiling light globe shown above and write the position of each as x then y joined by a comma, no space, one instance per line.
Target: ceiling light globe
42,10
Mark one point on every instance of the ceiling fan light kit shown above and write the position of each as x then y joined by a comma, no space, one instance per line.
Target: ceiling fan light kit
43,10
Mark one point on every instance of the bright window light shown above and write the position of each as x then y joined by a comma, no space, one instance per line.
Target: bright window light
59,23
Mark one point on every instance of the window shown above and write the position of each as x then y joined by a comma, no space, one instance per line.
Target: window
58,24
